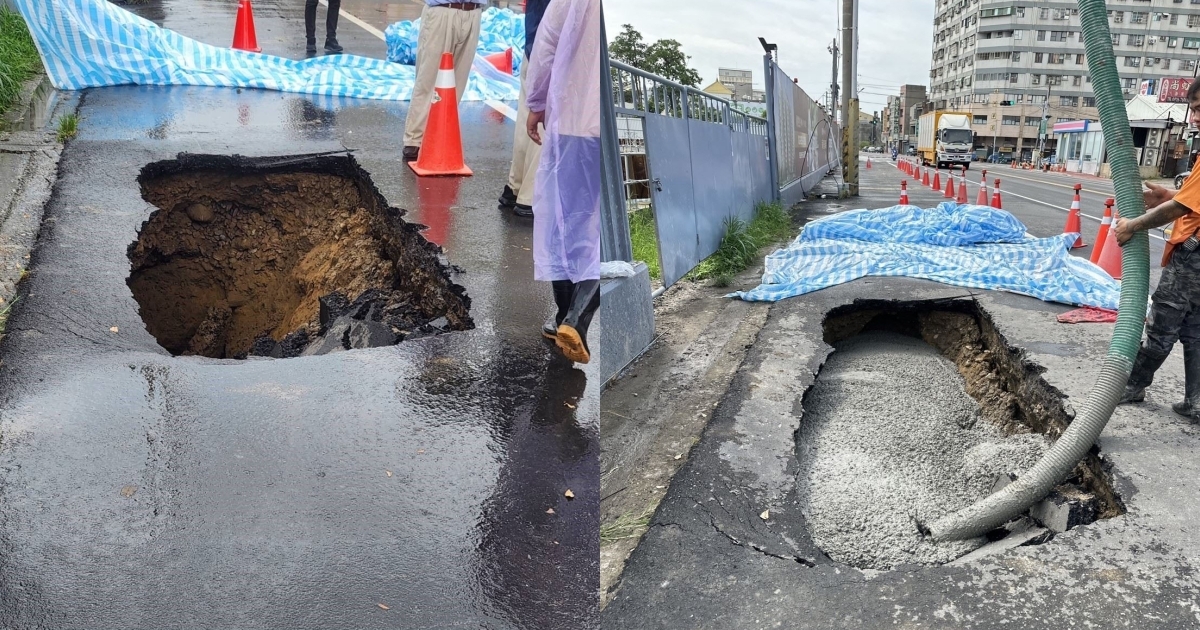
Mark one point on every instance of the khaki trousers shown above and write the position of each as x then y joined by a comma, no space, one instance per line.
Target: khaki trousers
443,30
526,153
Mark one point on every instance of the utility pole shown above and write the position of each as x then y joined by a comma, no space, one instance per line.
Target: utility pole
849,94
1041,145
833,83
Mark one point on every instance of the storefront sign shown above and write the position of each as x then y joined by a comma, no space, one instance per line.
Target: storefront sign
1174,90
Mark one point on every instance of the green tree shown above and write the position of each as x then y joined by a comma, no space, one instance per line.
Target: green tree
663,57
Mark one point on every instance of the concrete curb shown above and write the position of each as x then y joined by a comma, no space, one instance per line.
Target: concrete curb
28,171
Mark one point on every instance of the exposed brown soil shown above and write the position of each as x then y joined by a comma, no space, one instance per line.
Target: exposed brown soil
1010,390
234,254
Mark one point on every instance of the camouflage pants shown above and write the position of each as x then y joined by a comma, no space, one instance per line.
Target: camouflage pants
1175,314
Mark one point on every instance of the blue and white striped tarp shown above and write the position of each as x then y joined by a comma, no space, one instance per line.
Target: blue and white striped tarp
499,29
962,245
93,43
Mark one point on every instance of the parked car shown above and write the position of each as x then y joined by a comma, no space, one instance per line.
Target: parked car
1179,179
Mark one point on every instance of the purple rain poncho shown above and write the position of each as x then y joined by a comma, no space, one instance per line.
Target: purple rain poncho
564,81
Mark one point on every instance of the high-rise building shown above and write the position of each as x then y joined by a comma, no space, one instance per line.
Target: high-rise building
741,82
1013,65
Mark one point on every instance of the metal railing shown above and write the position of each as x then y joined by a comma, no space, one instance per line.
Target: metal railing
636,92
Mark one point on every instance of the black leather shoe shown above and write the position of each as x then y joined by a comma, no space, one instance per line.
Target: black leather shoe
311,48
508,198
411,153
522,210
331,46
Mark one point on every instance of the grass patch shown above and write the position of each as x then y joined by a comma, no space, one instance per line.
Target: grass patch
740,245
626,526
645,239
68,127
4,315
19,58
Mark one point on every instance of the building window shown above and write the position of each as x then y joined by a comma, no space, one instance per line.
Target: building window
1059,58
1076,80
1193,21
1089,101
1037,99
1191,43
1137,17
1035,79
1038,57
1059,36
1116,39
1016,56
1174,19
1135,40
1015,99
1043,14
1053,79
1012,77
979,119
1032,121
1187,64
1079,59
1172,42
1133,62
1068,101
1010,120
1118,17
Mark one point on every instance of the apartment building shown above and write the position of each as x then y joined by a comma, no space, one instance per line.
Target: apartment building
1010,63
900,117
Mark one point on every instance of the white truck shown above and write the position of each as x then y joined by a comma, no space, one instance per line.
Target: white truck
945,139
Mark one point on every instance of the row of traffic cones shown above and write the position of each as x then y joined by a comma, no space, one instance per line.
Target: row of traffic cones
921,174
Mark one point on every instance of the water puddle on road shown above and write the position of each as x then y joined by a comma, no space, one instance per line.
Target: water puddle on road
283,257
41,107
921,410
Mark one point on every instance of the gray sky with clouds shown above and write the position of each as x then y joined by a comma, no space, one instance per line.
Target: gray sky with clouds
895,39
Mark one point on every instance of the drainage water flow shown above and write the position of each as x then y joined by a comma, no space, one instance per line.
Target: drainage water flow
283,257
916,414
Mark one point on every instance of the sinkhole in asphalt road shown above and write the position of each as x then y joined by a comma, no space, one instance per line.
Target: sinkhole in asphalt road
283,257
922,409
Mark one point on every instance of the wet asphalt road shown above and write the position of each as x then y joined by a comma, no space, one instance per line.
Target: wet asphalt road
141,490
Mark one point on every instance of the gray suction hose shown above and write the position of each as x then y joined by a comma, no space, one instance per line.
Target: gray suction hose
1070,448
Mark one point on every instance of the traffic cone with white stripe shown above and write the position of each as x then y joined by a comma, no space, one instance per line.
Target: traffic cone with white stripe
925,177
1105,226
982,199
949,184
996,196
904,192
1073,223
244,37
962,188
937,179
442,152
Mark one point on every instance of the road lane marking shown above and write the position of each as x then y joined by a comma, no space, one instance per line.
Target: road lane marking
1069,187
1064,210
504,109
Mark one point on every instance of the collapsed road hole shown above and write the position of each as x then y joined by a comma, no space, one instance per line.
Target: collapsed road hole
922,409
283,257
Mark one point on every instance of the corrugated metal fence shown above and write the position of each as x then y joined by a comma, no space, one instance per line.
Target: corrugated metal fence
804,136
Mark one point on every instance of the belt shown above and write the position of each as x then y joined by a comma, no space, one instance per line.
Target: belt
461,6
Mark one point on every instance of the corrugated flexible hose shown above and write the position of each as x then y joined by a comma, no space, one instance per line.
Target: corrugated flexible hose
1070,448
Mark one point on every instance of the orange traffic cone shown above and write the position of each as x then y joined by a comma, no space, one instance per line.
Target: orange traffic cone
996,196
937,179
1110,257
925,178
904,192
982,199
243,29
1105,225
962,188
949,184
1013,164
503,61
868,162
442,152
1073,224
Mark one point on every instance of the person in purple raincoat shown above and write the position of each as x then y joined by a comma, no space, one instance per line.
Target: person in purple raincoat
564,95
